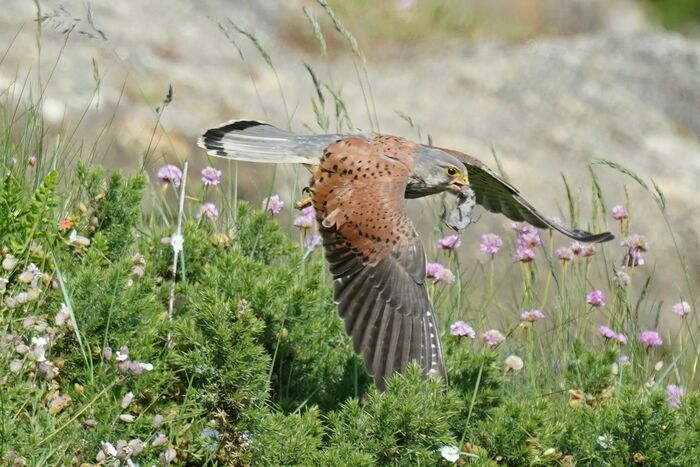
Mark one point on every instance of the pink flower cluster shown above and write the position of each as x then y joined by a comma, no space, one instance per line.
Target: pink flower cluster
595,298
611,335
530,316
528,238
490,243
273,204
439,273
636,245
306,218
575,250
450,242
462,329
650,339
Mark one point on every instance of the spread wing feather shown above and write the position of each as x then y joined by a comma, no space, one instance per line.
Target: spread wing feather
497,195
376,259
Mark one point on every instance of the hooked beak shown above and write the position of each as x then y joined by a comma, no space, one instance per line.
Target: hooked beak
458,183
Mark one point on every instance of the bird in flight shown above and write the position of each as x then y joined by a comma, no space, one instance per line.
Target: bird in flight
374,254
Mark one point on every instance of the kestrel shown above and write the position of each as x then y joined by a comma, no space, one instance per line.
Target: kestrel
375,256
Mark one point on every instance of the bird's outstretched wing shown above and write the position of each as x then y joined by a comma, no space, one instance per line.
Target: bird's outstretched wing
497,195
376,258
251,141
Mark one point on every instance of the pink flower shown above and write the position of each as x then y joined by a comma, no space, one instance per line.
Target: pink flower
529,240
273,204
673,396
609,334
493,337
595,298
624,359
681,309
306,218
439,273
619,212
490,243
650,339
170,174
313,241
606,332
445,276
462,329
432,269
589,250
636,244
531,315
577,248
450,242
564,253
522,228
208,211
210,176
524,255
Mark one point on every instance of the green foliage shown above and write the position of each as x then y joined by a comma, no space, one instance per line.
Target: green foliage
589,371
676,14
114,203
23,219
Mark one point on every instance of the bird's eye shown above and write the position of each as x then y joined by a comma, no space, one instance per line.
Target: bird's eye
452,171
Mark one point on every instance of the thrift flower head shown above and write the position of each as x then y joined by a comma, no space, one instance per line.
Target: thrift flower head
529,240
513,363
650,339
170,174
524,255
210,176
564,253
609,334
619,212
490,243
623,278
439,273
523,228
462,329
673,396
595,298
681,309
208,211
313,241
531,315
273,204
624,359
445,276
577,248
636,245
306,218
493,337
449,243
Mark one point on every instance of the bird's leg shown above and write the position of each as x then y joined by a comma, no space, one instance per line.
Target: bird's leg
306,202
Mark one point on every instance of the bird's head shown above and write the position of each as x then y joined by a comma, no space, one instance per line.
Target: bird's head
438,171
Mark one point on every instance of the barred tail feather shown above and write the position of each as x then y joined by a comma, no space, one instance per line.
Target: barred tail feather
251,141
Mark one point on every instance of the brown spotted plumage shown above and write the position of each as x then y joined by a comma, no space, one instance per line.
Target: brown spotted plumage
374,254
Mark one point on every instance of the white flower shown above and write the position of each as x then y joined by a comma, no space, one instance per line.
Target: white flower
450,453
604,441
128,397
177,242
146,366
513,363
128,418
44,340
121,357
109,449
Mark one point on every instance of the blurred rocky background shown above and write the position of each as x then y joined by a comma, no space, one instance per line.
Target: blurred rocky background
547,85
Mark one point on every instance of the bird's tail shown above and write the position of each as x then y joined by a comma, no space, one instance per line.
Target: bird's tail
247,140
